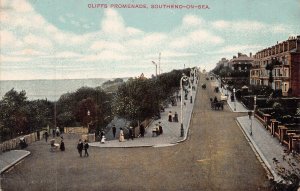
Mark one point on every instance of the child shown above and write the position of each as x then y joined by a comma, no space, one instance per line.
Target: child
103,139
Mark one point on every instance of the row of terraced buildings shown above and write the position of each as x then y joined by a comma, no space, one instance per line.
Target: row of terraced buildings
284,61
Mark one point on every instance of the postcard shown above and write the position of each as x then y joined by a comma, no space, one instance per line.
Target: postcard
149,94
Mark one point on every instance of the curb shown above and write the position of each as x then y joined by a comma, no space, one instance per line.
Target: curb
164,145
139,146
133,146
270,172
189,121
14,162
236,111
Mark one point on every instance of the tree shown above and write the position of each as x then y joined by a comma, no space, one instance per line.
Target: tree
72,108
140,98
270,67
14,113
86,110
41,113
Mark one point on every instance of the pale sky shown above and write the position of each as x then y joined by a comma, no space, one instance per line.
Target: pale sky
55,39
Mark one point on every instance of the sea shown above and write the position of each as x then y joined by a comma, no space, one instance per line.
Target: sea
48,89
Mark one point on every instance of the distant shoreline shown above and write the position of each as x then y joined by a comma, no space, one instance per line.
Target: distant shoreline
66,79
49,89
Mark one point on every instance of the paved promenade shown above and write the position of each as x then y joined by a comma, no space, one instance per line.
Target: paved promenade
268,147
171,130
9,158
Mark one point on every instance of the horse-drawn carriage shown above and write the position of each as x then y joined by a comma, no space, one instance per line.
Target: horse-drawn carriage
203,86
216,105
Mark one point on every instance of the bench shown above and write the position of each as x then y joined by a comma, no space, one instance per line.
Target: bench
155,132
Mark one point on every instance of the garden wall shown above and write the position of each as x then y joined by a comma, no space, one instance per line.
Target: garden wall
14,143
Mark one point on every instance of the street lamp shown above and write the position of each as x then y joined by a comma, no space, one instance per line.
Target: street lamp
254,107
88,123
183,78
195,75
234,99
191,86
155,67
227,90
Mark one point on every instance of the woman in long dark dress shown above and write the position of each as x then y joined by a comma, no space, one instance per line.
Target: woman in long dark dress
170,116
62,145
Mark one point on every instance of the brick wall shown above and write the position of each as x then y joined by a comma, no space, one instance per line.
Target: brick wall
295,74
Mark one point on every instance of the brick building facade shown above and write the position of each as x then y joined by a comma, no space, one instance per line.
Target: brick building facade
283,59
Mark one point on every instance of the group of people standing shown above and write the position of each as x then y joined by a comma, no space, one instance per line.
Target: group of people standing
172,118
83,146
130,134
55,132
157,130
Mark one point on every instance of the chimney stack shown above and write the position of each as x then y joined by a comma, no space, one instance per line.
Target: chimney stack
239,54
250,54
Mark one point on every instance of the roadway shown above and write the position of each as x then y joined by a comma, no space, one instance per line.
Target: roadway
216,156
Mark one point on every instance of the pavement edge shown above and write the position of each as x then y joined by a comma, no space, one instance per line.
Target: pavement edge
259,155
15,162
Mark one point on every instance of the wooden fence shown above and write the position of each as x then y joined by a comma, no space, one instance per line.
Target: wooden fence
14,143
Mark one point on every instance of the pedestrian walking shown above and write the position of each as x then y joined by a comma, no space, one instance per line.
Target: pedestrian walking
62,145
121,136
160,128
114,130
142,130
57,131
176,117
53,133
46,134
80,147
130,133
86,147
249,114
170,116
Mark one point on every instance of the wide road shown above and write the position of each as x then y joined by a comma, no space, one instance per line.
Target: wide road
216,156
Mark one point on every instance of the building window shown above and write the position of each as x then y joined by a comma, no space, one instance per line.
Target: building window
285,87
277,85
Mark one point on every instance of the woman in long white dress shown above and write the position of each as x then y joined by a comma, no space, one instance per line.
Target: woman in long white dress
121,137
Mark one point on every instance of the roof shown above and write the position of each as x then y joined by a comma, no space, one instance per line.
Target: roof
242,58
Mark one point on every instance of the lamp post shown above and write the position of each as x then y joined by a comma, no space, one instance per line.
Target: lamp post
155,68
227,90
254,107
191,86
195,75
88,123
234,99
183,78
